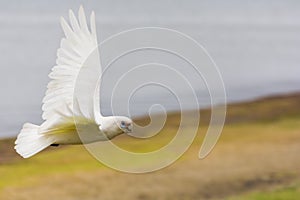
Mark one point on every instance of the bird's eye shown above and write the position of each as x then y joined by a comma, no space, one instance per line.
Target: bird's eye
122,123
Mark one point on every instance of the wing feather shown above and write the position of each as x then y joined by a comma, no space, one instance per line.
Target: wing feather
74,22
82,21
75,51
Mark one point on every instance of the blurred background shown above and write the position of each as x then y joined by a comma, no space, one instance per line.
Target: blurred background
256,46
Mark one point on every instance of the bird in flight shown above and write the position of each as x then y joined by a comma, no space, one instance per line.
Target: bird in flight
71,106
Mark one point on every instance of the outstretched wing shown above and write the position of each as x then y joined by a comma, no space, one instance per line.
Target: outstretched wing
77,70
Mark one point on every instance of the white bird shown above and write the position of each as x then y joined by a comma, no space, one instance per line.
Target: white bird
78,63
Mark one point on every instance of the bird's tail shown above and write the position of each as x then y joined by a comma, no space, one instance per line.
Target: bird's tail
30,141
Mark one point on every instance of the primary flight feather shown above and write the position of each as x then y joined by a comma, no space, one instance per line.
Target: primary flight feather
66,110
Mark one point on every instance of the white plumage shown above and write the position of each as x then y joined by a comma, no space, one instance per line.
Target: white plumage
77,68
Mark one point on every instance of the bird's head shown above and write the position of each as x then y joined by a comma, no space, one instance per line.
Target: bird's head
124,124
116,125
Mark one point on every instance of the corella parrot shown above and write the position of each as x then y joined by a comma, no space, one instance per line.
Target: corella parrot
66,107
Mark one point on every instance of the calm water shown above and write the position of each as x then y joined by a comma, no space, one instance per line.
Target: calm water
256,45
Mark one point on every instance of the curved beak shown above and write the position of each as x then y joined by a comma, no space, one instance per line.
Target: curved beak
128,129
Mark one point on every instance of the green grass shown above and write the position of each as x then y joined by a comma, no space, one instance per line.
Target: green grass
283,193
259,142
66,160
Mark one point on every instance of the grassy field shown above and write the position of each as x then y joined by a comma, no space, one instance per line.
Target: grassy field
257,157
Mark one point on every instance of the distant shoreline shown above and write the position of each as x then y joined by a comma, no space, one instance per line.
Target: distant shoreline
272,97
266,109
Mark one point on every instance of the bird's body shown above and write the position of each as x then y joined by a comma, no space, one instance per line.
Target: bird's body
69,120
